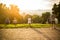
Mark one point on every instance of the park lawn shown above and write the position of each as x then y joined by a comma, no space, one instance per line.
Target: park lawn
58,25
25,25
41,25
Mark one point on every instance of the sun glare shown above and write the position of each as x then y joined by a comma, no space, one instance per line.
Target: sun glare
28,4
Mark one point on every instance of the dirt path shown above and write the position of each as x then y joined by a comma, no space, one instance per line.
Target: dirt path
29,34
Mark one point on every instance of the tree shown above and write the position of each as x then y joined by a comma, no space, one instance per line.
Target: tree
56,11
45,17
3,13
14,13
36,19
11,13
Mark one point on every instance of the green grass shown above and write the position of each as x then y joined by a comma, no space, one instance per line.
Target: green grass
58,25
25,25
41,25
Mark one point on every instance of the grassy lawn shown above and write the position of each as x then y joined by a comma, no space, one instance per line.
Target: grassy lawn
25,25
58,25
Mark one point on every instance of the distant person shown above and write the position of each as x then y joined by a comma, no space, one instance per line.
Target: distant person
49,21
14,21
29,21
53,21
56,21
7,21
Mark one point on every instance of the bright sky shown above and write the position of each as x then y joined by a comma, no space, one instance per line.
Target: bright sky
30,4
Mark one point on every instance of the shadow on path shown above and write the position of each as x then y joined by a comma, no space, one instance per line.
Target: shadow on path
41,33
1,34
57,29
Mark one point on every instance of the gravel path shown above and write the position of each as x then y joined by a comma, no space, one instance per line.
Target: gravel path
29,34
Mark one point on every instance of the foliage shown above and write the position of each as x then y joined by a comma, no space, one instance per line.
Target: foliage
36,19
11,13
45,17
14,12
56,11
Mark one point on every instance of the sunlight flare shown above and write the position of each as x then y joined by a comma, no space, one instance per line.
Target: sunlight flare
29,4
